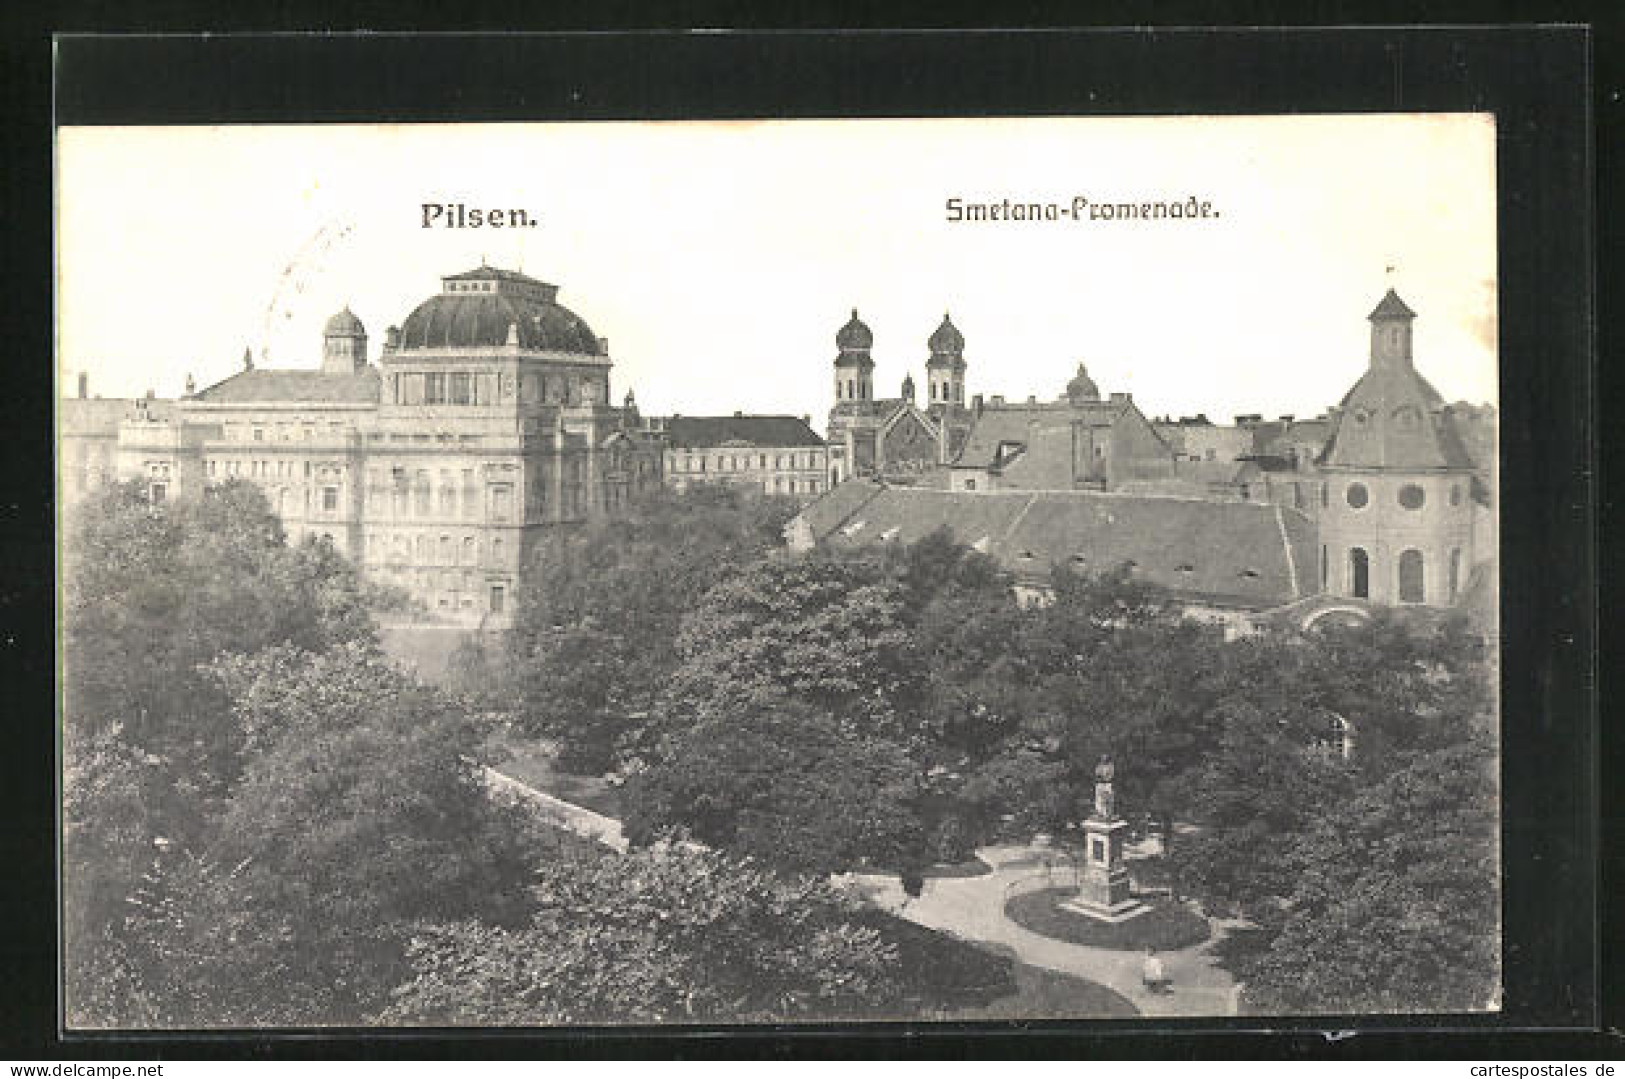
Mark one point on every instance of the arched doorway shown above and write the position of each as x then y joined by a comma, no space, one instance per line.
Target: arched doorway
1411,588
1359,573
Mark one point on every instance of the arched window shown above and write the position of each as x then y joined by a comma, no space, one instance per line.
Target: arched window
1455,573
849,390
1325,498
1359,573
1357,496
1410,577
1411,496
468,550
1455,494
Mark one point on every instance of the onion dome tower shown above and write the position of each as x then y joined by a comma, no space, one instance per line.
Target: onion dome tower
945,370
344,344
1081,390
854,367
1396,501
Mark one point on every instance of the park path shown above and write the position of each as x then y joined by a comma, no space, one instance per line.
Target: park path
578,819
973,908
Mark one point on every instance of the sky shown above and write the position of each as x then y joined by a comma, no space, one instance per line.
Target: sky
719,259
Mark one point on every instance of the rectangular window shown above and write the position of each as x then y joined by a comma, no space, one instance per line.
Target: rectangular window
434,388
461,389
499,596
330,499
501,501
159,493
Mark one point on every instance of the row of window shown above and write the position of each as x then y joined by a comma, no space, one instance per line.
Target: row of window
741,462
305,430
1411,496
1412,574
425,550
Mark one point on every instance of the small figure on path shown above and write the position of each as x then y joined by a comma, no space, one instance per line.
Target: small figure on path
1152,974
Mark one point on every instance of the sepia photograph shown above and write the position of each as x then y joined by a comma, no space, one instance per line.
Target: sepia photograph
804,571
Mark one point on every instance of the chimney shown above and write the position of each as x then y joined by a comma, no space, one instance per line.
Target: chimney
997,399
1032,399
1287,418
152,394
392,339
1120,398
603,346
84,385
738,414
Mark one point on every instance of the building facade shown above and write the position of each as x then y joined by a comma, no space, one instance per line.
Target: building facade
1381,502
777,455
1079,442
895,438
485,420
1397,497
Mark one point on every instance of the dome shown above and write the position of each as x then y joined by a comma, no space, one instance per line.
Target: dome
344,324
947,338
855,336
507,314
1082,387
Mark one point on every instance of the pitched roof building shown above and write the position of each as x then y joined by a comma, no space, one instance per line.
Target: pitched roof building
1214,556
775,454
1379,502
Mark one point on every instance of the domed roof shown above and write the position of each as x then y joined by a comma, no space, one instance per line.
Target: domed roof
854,336
1082,387
344,324
515,310
946,338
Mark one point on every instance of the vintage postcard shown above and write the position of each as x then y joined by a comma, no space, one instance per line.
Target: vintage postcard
779,571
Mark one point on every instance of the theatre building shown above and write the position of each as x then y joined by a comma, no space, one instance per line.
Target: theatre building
485,420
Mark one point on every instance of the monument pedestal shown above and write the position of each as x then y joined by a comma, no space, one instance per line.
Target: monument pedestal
1103,893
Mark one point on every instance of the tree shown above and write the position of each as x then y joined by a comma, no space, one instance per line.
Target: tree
671,934
595,639
359,809
151,594
787,785
1395,906
831,634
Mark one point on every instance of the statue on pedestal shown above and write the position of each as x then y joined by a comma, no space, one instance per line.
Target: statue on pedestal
1105,802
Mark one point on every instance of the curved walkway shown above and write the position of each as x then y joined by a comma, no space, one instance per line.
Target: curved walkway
973,908
567,815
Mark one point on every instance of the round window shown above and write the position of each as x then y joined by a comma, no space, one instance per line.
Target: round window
1357,495
1412,496
1455,494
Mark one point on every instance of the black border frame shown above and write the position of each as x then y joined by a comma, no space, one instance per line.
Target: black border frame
1537,81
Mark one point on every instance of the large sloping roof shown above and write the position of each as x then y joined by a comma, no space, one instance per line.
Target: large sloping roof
1242,554
687,432
270,385
999,424
1394,419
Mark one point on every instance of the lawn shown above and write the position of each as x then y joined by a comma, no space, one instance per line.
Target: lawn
1168,925
953,980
